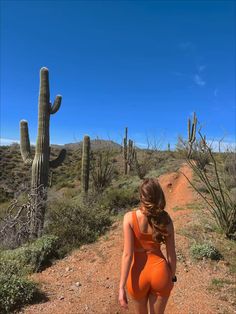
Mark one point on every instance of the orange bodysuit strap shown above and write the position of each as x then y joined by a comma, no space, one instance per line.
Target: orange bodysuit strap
135,223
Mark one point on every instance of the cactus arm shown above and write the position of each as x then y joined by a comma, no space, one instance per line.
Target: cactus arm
189,130
25,143
59,160
56,104
194,126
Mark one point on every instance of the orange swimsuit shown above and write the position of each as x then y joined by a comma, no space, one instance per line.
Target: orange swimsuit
149,271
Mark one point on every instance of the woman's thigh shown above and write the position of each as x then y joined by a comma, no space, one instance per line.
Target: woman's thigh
157,304
141,305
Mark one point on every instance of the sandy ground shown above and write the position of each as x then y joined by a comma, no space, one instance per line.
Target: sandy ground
87,281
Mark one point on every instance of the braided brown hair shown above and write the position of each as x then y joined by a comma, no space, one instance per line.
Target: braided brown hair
153,202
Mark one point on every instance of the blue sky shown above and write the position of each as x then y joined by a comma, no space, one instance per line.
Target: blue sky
143,64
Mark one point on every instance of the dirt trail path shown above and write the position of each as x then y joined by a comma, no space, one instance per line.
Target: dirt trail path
87,281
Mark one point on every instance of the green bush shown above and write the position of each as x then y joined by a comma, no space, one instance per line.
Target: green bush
76,221
30,257
15,291
205,250
115,199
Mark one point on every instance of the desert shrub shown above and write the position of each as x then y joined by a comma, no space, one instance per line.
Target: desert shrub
4,195
198,152
230,170
205,250
76,221
30,257
233,195
102,171
15,291
117,198
148,160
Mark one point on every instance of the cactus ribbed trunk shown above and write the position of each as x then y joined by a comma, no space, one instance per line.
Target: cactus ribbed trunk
40,167
191,132
25,143
85,163
125,151
41,162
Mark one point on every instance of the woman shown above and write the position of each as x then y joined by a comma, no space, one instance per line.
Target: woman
145,272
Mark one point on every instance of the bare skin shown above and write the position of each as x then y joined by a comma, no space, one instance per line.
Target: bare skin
157,304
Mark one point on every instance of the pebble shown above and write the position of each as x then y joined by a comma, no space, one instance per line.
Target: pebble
61,297
78,284
68,268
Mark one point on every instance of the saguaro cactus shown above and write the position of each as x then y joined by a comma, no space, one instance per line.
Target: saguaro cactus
40,163
192,132
128,152
125,151
85,163
131,155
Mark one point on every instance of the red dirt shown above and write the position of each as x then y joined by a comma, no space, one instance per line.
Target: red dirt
87,281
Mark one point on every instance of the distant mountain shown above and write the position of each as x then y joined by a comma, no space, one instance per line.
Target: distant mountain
95,145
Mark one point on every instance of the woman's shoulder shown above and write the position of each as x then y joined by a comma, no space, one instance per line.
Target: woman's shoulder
128,216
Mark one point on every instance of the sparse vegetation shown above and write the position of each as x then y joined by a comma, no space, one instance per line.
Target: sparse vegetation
205,250
75,219
220,200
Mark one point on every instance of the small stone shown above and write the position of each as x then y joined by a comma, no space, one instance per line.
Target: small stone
68,268
78,284
61,297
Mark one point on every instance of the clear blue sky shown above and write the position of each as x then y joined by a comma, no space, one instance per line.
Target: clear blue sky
143,64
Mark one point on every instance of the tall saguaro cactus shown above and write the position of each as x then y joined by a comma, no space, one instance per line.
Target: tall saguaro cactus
85,163
40,163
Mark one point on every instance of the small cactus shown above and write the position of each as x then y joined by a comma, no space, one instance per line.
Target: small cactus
85,163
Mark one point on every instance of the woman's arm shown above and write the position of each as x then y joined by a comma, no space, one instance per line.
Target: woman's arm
170,248
128,250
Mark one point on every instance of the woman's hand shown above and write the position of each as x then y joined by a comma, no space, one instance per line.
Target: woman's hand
123,298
